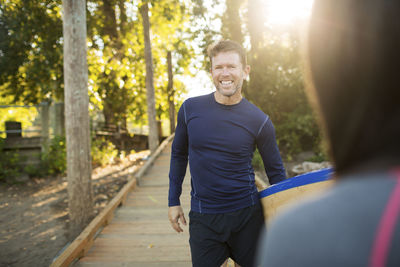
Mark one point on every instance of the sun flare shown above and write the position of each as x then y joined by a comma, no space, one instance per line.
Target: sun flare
287,11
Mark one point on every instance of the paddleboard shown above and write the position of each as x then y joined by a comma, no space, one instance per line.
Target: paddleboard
282,195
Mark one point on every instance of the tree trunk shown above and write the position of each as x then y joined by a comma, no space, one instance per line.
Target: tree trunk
255,22
151,103
233,21
171,94
110,22
80,198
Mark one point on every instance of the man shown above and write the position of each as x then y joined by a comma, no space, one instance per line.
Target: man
218,133
353,57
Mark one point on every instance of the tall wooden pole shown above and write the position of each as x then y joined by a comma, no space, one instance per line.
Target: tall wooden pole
77,115
171,94
151,103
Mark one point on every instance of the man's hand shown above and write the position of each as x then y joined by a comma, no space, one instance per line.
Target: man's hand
175,214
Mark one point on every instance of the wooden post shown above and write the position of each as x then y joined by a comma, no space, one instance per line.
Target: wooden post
45,120
151,103
59,128
13,129
77,116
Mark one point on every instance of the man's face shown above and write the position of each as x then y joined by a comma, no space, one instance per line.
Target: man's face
228,73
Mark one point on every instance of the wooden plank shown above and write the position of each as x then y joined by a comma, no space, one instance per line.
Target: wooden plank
127,240
84,241
140,227
136,264
22,143
143,254
146,166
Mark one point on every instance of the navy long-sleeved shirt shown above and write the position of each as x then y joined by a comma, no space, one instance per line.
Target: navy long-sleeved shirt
219,142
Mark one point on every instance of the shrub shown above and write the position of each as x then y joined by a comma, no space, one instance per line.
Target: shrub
103,152
9,167
54,160
257,162
297,133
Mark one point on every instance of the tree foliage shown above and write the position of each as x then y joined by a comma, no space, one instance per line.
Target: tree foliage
25,115
117,65
31,58
31,50
31,42
276,78
276,86
153,137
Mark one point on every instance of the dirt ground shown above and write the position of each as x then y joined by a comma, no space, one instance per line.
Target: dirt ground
34,215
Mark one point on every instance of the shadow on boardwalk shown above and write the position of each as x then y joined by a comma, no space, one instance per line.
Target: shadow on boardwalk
140,233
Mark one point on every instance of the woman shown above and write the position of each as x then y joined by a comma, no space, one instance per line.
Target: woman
353,56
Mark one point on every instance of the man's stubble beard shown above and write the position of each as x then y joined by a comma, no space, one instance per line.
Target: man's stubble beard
231,93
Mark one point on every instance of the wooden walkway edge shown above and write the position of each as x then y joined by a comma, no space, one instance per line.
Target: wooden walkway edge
82,244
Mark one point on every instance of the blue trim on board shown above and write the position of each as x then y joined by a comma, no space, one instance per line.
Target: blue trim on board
299,180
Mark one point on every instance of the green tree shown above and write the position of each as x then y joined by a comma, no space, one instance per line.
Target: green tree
109,59
31,50
31,42
276,79
151,105
276,83
116,57
170,25
77,132
232,22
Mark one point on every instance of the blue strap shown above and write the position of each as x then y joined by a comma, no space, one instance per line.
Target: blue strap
299,180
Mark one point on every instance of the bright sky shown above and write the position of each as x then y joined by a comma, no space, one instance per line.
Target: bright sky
278,12
287,11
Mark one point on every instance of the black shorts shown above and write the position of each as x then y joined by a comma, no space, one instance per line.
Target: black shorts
215,237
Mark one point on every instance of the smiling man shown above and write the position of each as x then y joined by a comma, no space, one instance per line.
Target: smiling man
228,73
218,134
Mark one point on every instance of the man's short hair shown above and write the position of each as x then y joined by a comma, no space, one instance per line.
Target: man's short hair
227,46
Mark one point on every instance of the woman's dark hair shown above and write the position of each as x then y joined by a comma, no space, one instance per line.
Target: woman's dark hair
354,63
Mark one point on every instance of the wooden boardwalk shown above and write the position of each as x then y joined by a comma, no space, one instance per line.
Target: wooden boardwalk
140,233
